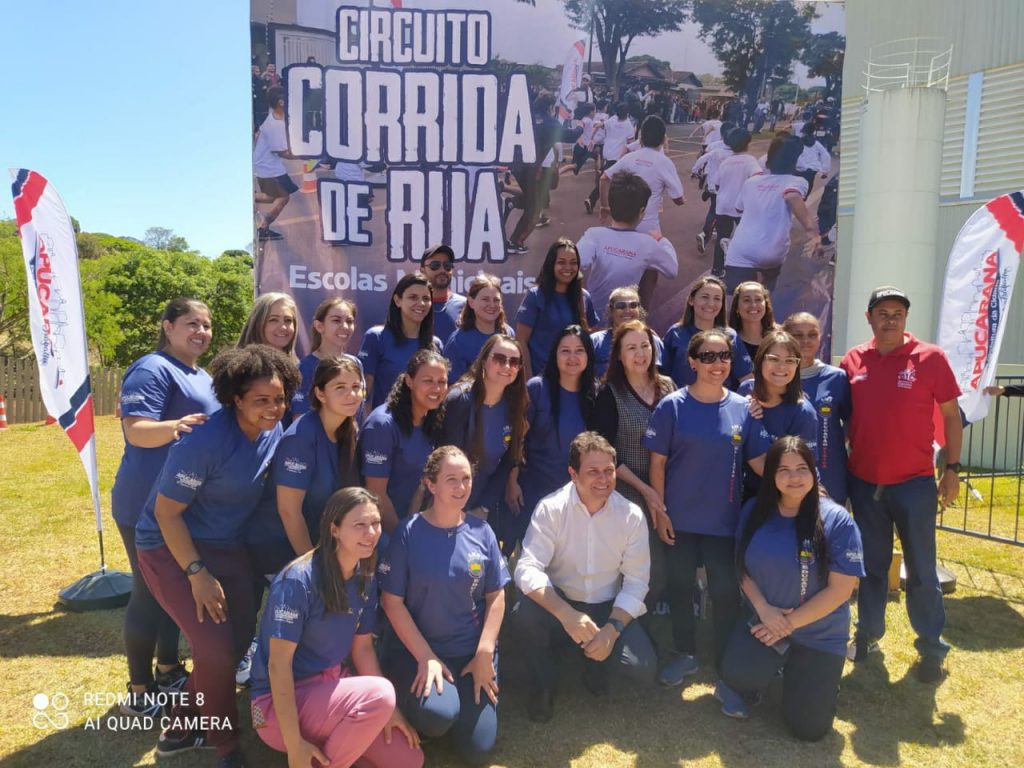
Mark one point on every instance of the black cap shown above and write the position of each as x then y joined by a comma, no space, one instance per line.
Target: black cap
436,249
885,293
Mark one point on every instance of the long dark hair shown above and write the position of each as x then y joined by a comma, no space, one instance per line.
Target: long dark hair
616,373
809,527
794,390
348,431
767,322
394,320
400,397
588,382
332,581
703,281
176,308
574,293
514,396
467,318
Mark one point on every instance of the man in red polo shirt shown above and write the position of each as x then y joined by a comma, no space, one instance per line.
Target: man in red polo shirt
895,381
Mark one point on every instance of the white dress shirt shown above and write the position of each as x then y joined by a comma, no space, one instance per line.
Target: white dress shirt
590,558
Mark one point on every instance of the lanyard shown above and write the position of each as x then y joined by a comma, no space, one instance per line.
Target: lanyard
806,556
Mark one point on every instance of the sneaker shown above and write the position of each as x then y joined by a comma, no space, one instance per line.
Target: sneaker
540,705
231,760
929,669
724,242
733,704
676,671
543,221
172,680
145,704
245,665
860,648
588,205
512,248
268,234
170,744
701,242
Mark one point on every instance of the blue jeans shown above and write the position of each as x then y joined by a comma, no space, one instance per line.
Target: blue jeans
910,506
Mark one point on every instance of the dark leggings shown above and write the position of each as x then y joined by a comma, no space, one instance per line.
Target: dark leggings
810,680
147,627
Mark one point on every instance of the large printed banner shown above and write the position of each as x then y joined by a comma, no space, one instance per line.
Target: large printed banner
976,295
383,128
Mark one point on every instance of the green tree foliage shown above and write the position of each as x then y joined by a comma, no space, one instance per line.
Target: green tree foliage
14,334
823,57
756,41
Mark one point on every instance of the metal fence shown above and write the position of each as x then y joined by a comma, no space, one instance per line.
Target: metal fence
993,476
19,385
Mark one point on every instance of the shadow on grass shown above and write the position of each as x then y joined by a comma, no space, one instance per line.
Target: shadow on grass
983,623
59,633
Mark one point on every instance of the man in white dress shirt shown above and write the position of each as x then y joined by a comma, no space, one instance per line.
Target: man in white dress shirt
583,575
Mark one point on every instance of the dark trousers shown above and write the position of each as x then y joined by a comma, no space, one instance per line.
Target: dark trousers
147,627
828,206
216,648
580,155
724,226
810,680
809,176
474,727
709,219
541,636
595,193
910,507
530,181
765,276
681,561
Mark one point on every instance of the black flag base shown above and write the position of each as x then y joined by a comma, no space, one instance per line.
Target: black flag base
99,591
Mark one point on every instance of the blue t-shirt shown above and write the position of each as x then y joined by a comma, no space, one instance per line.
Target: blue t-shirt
443,575
773,562
706,445
675,361
463,347
301,400
307,460
546,446
385,359
602,341
547,315
295,612
385,451
219,473
157,386
447,314
829,393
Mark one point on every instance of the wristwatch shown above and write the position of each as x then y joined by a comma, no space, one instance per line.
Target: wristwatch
617,625
955,466
194,567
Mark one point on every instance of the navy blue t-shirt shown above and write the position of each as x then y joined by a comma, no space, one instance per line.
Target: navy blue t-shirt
160,387
546,446
706,445
675,360
602,341
219,473
296,612
829,393
547,315
463,347
384,358
446,315
444,575
388,452
773,562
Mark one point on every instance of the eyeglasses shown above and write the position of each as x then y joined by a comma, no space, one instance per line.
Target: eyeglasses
502,360
447,266
709,357
621,305
776,360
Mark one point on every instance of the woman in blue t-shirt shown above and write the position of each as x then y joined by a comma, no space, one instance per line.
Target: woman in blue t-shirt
561,405
443,591
751,315
483,315
699,438
705,309
828,389
399,435
334,324
800,556
409,327
557,300
164,395
784,409
317,629
272,321
485,416
623,306
316,456
190,537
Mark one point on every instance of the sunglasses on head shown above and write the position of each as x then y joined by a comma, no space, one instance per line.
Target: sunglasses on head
447,266
502,359
709,357
620,305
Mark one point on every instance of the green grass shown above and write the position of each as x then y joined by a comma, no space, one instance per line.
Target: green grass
885,716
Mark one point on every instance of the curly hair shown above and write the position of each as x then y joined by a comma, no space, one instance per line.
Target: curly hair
400,397
234,371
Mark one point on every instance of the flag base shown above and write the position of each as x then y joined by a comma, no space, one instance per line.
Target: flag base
99,591
947,579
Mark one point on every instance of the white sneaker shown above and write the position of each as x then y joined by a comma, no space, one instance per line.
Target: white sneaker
701,242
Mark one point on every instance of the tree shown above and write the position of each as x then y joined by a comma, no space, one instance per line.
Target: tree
756,41
823,57
617,23
15,340
158,237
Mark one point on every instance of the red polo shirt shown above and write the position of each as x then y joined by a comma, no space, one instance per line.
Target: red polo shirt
894,396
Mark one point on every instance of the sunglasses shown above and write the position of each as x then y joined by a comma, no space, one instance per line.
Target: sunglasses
710,357
620,305
503,360
776,360
447,266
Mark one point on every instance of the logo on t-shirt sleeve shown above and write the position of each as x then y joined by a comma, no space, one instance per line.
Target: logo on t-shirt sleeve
188,480
295,466
375,457
133,398
285,615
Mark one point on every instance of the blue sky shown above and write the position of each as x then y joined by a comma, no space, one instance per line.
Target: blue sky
138,112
